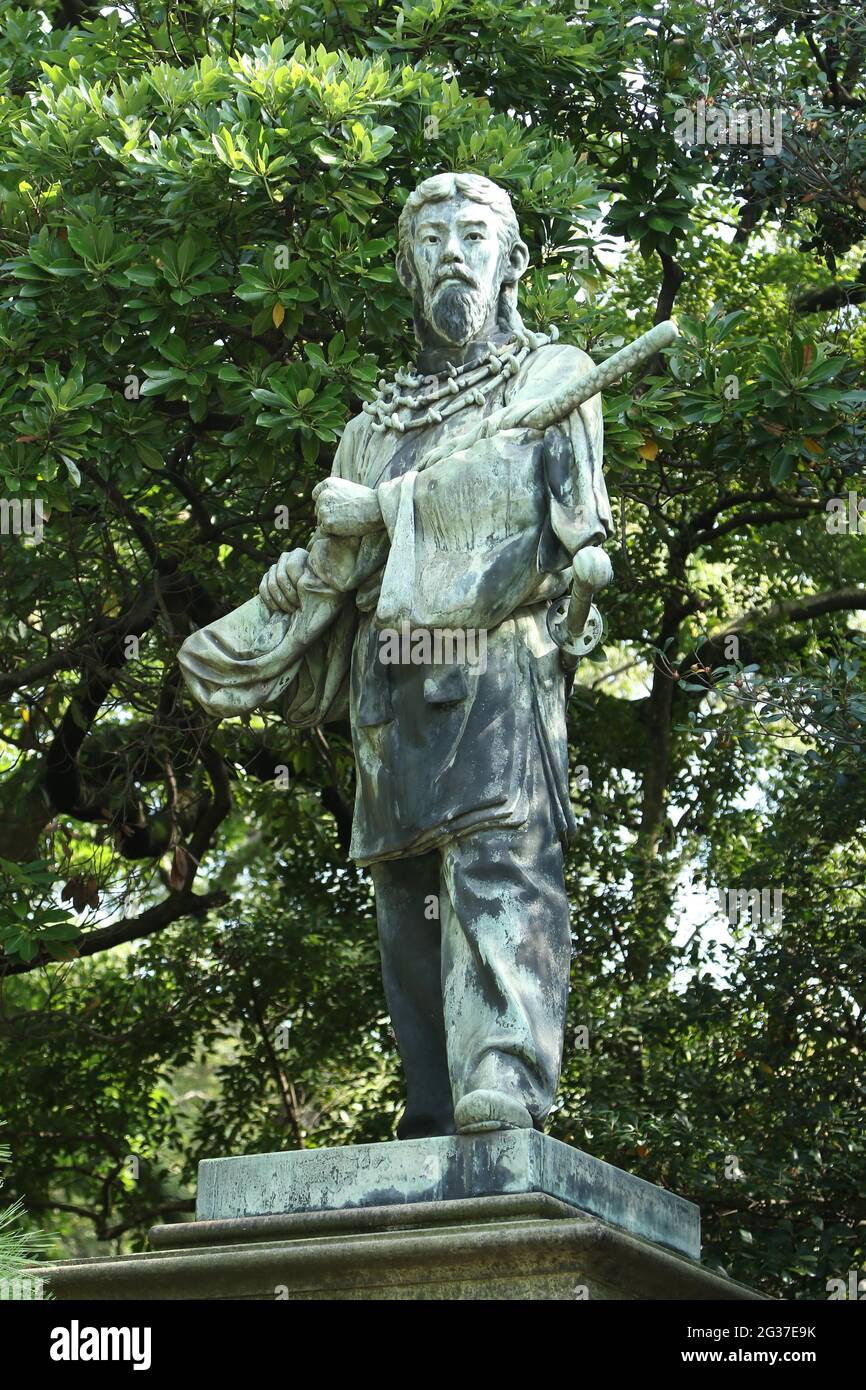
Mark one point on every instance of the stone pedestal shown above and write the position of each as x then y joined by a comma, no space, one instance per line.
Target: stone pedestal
509,1215
505,1162
529,1246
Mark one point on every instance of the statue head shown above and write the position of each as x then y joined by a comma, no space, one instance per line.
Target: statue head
460,256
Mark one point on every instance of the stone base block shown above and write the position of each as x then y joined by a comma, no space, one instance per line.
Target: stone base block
454,1167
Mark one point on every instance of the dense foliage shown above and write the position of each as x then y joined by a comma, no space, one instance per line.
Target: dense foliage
198,207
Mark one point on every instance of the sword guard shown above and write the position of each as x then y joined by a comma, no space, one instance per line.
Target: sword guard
571,651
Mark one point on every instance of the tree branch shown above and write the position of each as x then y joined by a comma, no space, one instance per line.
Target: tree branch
672,278
154,919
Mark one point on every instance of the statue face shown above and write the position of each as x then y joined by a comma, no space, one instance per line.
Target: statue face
458,265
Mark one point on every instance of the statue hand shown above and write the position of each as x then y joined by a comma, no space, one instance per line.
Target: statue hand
278,590
346,509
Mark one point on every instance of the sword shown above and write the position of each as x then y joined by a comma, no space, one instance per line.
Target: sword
573,622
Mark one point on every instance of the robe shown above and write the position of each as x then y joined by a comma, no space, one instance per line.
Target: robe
481,541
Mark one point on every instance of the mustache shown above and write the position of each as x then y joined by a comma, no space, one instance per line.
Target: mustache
455,273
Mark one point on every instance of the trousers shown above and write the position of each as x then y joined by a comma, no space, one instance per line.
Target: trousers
475,944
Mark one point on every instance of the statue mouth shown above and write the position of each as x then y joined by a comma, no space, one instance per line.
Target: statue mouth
454,277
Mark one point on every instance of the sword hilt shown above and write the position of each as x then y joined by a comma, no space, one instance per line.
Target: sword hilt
576,625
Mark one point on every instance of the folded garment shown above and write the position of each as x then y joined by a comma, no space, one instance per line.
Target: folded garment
249,657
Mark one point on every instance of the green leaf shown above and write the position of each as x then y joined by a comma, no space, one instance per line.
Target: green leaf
780,470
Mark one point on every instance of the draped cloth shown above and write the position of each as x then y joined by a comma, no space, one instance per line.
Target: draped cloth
482,540
247,659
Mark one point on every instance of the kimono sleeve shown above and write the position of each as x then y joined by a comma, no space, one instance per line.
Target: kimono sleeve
578,506
254,656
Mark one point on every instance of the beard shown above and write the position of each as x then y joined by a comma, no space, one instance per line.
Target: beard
457,311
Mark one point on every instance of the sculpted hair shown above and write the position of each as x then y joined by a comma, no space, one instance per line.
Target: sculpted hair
479,189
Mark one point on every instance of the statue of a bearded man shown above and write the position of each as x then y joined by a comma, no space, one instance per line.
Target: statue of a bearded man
462,810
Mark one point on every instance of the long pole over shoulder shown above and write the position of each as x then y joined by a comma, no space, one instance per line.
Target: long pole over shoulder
540,414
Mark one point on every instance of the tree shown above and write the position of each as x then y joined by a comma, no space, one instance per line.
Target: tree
19,1247
199,207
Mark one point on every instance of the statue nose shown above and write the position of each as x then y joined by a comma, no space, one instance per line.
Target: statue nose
452,251
451,259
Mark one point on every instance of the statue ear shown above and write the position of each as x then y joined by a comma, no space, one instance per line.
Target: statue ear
406,272
516,263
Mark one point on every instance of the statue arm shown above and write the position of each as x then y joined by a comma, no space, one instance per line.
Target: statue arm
579,512
336,560
281,643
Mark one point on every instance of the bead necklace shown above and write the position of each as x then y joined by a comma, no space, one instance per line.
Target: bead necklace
455,387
